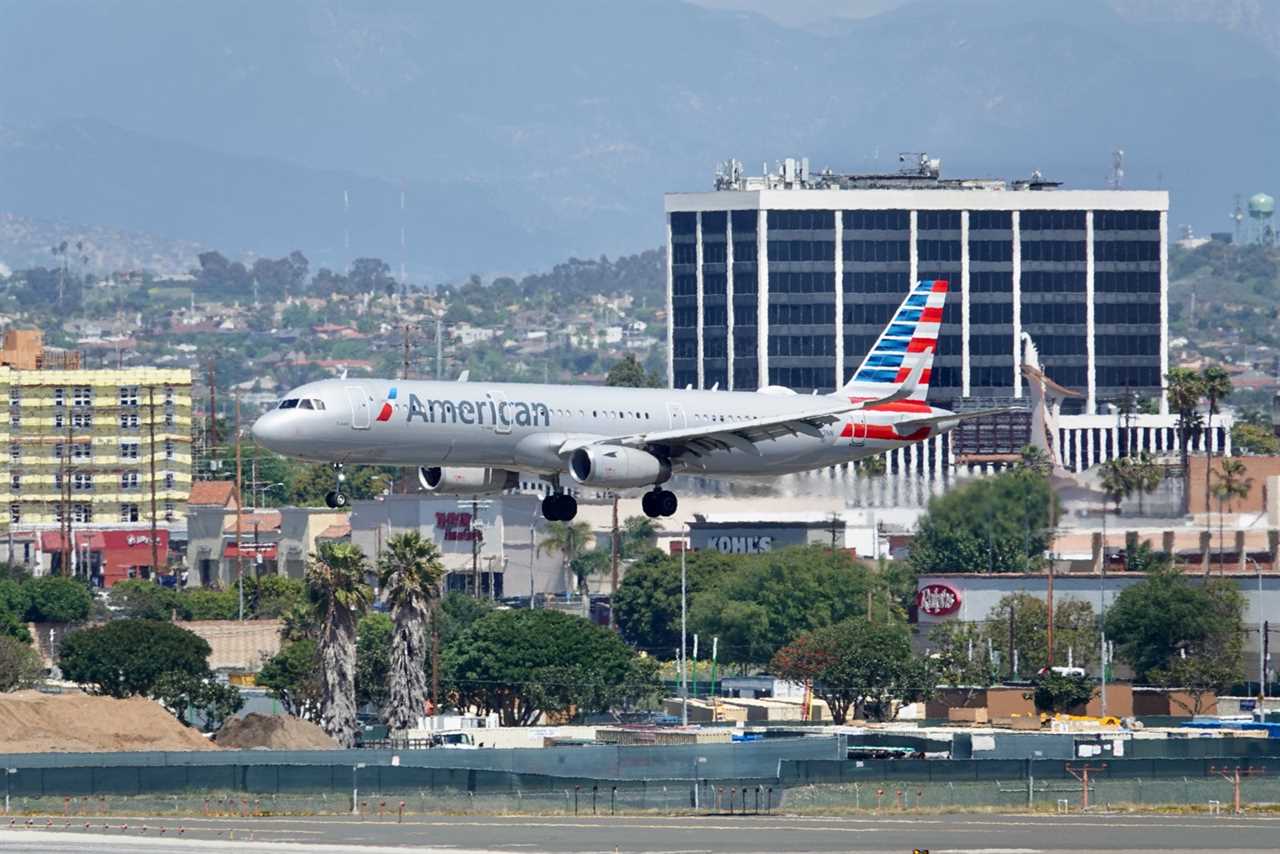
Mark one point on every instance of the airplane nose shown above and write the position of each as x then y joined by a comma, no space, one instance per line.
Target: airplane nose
270,431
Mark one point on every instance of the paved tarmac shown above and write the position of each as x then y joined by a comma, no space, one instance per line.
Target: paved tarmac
958,834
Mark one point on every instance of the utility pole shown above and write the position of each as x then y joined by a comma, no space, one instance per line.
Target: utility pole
404,372
151,433
239,515
684,665
66,494
213,404
475,549
1011,667
1082,774
1049,609
439,344
613,586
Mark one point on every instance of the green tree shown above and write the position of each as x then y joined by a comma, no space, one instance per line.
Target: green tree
292,676
522,664
857,666
270,597
1147,474
959,657
204,603
410,572
202,697
1035,459
768,599
1059,692
335,577
1247,438
55,599
373,659
638,535
1165,616
1215,387
1184,389
1117,480
1201,675
993,524
147,600
629,372
20,665
126,657
307,485
1075,628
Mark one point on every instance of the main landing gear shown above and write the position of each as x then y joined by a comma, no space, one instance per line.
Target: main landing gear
659,502
336,498
559,507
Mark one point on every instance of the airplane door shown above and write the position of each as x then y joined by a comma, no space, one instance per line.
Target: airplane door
502,412
675,416
858,421
359,407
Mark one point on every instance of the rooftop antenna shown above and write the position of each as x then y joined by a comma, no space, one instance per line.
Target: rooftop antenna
1117,169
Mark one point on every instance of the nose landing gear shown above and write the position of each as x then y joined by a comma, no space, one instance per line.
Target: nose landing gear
336,498
659,502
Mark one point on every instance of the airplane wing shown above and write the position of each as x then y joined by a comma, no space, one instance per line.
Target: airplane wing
744,435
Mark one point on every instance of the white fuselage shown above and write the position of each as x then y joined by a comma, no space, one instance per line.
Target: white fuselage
526,427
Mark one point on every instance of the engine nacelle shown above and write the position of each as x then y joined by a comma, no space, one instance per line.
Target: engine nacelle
612,465
466,481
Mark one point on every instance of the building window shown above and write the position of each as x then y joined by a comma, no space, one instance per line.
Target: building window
59,396
15,483
129,513
82,451
59,419
128,395
15,396
129,480
129,450
15,513
169,419
168,395
168,480
82,396
15,420
15,453
82,481
81,512
129,420
83,418
168,449
169,511
57,480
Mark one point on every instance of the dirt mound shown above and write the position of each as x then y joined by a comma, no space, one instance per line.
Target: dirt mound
273,732
31,722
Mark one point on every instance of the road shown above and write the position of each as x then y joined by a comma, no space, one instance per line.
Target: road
958,834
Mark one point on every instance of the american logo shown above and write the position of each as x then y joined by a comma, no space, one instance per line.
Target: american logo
387,406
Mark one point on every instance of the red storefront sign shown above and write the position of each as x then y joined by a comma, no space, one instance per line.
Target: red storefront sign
937,600
457,526
115,552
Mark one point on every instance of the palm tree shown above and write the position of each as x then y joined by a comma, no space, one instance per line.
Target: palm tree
1232,484
567,539
637,533
1215,386
335,577
1184,390
1147,476
409,572
1117,483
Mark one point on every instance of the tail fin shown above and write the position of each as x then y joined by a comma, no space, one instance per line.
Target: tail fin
1046,399
911,338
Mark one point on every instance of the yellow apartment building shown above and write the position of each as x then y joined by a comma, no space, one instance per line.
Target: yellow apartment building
88,441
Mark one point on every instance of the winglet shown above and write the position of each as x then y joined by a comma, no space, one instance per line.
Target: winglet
464,376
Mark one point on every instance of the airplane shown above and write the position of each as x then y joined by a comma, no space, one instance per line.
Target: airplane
472,438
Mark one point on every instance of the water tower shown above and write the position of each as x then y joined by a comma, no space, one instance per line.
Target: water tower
1261,209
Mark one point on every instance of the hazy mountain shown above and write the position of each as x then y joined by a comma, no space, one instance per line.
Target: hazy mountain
525,132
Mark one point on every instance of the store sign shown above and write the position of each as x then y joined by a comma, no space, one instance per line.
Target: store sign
457,526
937,600
741,545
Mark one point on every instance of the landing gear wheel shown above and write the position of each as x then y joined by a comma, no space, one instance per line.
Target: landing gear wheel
665,502
649,505
335,499
559,507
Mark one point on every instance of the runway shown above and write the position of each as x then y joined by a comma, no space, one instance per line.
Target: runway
959,834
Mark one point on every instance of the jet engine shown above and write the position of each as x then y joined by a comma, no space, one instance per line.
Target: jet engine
466,481
612,465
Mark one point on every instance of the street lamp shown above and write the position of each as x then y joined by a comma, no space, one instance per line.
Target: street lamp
7,773
355,789
684,616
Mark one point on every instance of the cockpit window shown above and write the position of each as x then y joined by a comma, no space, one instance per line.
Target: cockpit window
291,403
319,404
304,404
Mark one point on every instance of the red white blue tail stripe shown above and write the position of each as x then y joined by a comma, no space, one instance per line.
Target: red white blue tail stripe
911,337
